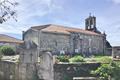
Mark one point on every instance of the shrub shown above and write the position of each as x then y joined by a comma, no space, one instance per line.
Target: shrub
0,46
104,71
115,71
7,50
76,59
63,58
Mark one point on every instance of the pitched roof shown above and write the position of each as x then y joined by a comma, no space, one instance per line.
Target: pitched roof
8,39
61,29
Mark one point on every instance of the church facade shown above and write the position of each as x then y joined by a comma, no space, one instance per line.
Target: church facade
67,40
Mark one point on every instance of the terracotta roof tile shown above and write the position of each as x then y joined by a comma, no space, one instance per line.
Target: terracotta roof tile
57,29
8,39
62,29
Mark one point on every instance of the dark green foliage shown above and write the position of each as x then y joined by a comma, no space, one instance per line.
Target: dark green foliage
66,77
0,46
104,71
63,58
108,70
7,50
76,59
115,71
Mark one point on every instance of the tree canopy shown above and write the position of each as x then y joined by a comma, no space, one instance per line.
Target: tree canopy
7,10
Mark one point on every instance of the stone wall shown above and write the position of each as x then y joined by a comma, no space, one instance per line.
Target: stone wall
116,52
68,71
67,43
55,42
31,35
73,43
28,71
108,51
87,44
9,71
13,71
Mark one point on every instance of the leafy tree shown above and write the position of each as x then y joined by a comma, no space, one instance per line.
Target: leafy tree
7,10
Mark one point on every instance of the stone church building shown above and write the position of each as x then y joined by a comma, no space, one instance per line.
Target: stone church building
67,40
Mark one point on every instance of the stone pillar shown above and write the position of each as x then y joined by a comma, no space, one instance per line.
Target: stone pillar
28,61
46,66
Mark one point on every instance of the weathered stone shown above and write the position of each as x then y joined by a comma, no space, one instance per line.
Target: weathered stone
45,70
116,52
57,42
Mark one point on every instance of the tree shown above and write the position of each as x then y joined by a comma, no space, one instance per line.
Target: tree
7,10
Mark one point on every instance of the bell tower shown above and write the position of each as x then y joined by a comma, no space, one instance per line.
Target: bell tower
90,23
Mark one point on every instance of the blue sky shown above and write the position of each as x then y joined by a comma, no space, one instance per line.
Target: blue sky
68,13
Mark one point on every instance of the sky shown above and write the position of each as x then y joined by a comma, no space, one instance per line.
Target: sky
66,12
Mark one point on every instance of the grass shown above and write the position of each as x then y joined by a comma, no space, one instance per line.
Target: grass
100,59
78,58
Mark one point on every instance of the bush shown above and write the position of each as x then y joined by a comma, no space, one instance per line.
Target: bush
104,71
0,46
115,71
63,58
7,50
76,59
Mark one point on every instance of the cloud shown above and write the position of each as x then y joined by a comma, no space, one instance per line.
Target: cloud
26,11
65,12
9,29
116,1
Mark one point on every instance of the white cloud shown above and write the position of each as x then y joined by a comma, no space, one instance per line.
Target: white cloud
26,10
116,1
9,29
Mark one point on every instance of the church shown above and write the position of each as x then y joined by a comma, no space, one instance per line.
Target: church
68,40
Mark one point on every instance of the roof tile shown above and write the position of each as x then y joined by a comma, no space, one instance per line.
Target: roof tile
62,29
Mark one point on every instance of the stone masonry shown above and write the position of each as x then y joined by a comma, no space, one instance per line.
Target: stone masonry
67,40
